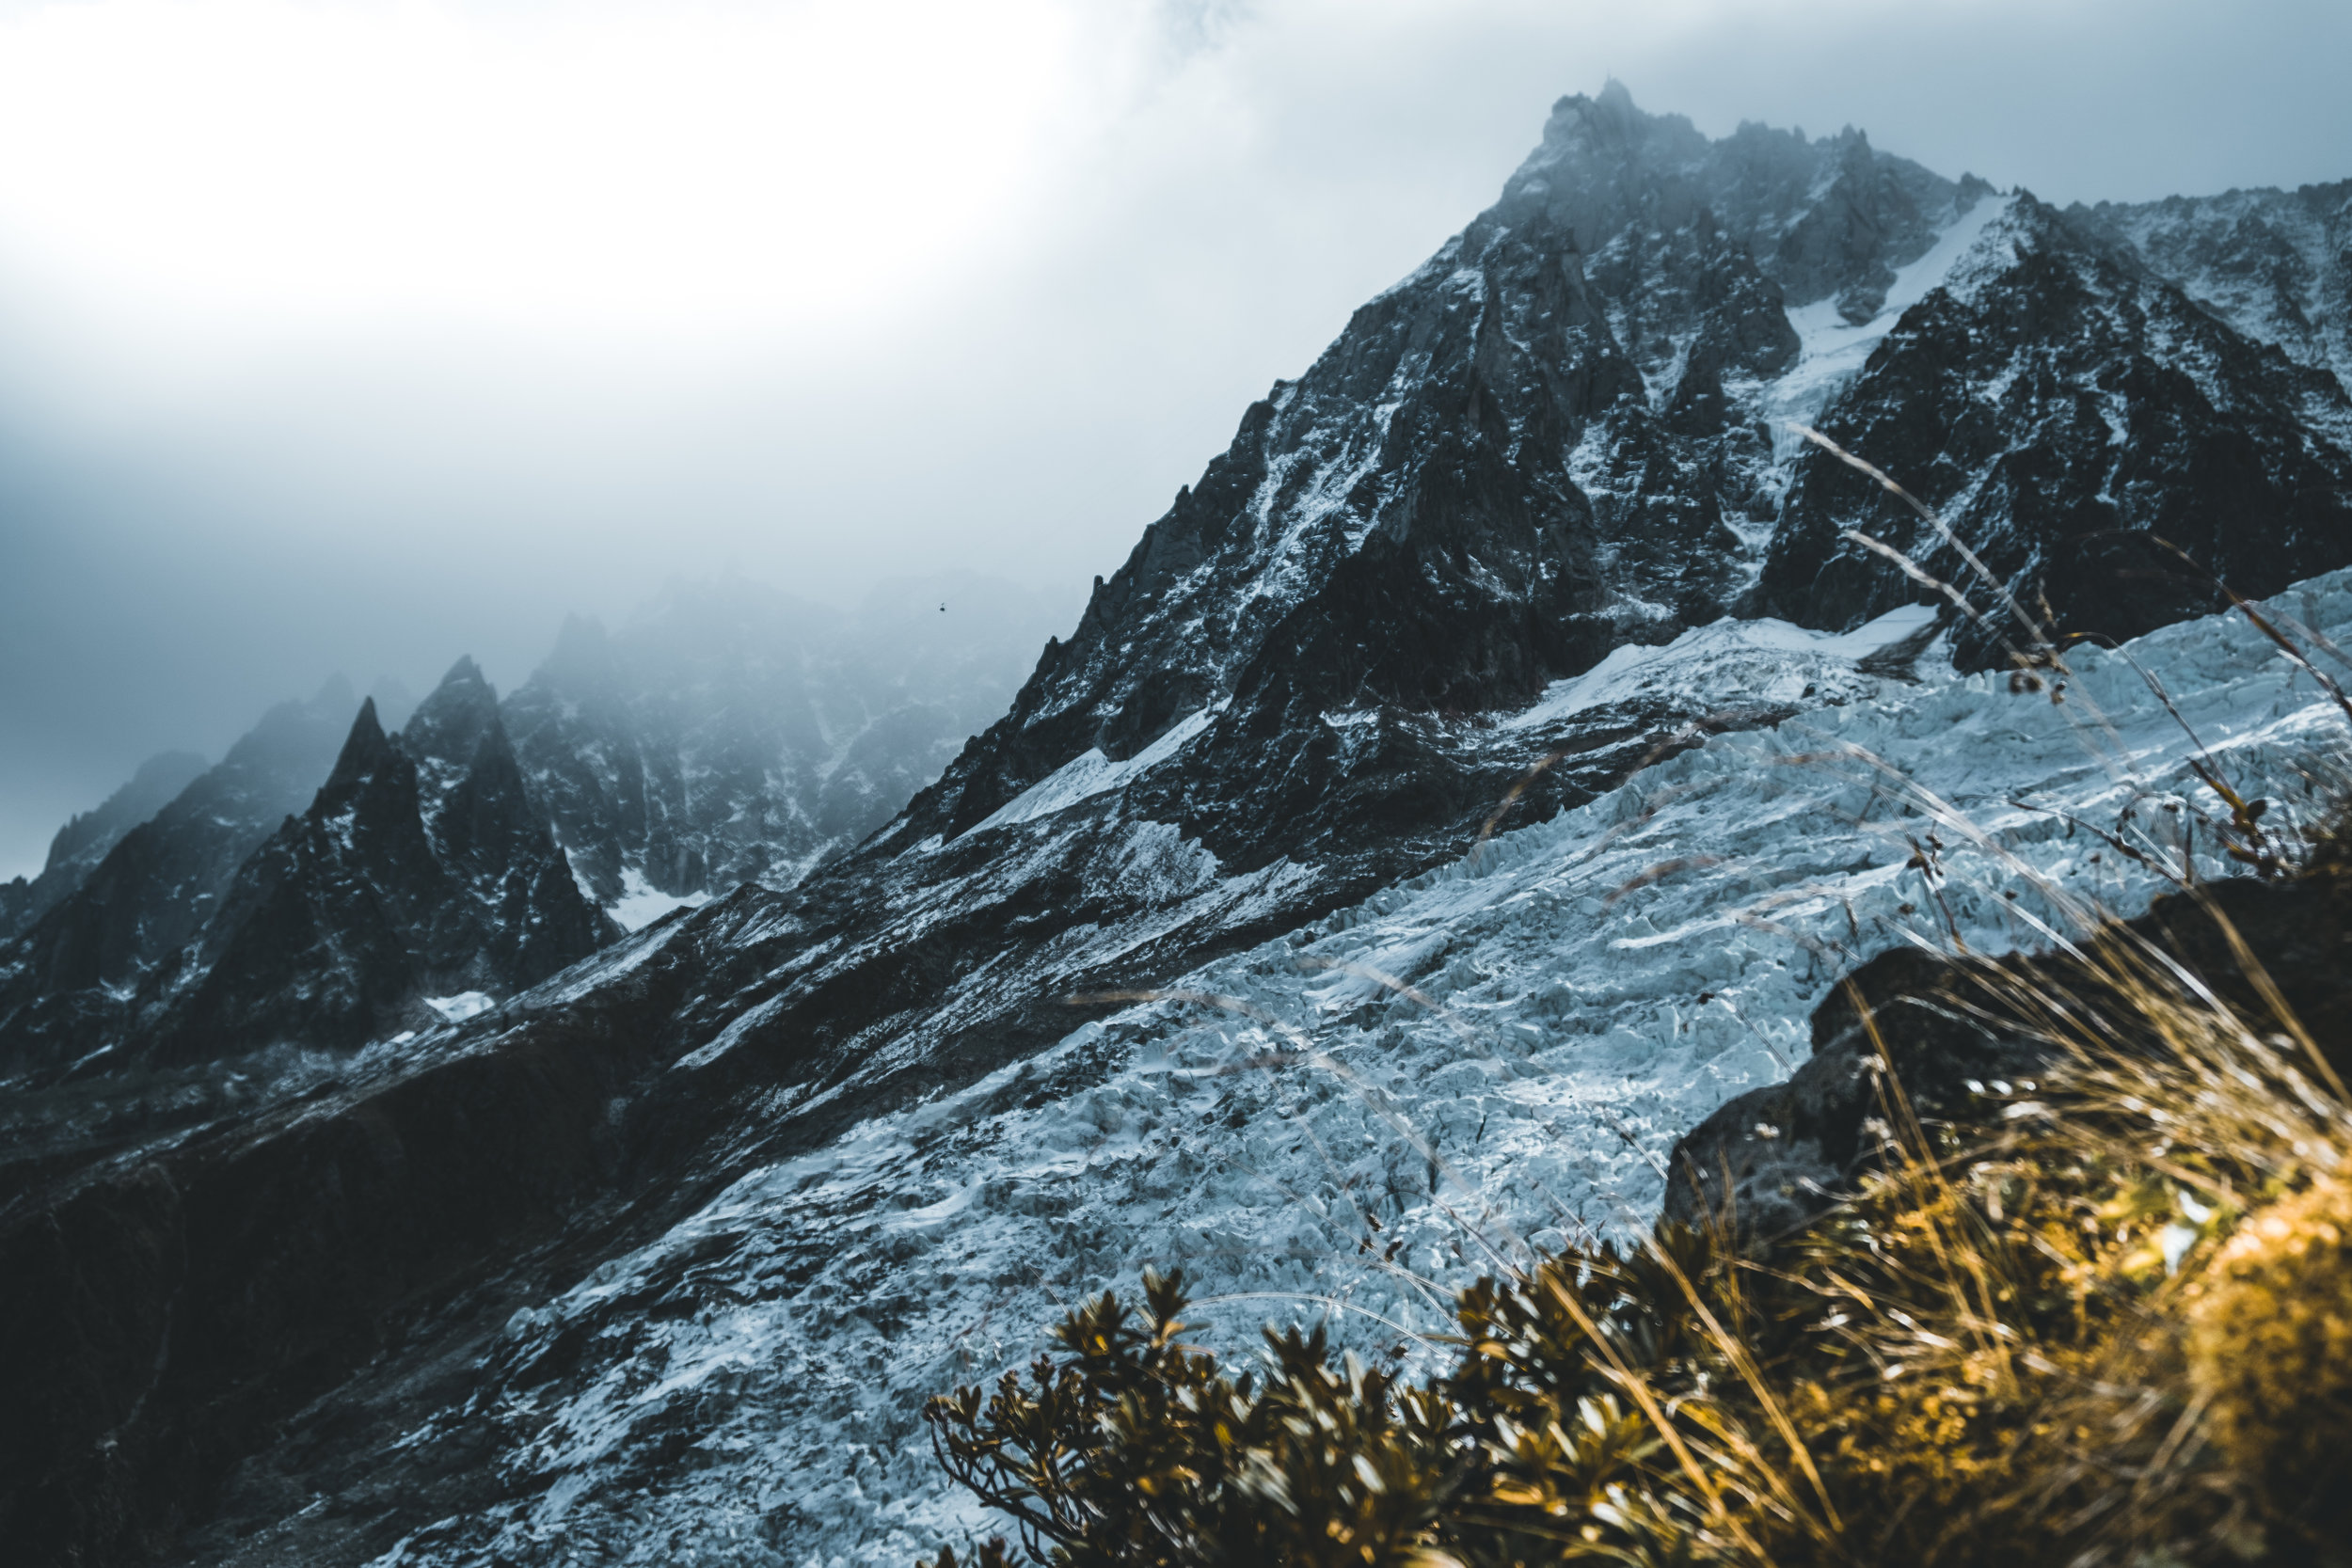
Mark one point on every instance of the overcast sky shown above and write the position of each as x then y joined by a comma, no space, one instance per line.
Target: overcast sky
358,334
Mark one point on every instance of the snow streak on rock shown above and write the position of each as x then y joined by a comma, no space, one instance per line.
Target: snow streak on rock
1091,773
1834,349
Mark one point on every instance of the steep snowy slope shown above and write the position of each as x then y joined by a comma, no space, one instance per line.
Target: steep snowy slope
1493,1057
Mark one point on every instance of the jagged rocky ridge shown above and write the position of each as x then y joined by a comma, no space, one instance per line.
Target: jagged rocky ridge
421,871
64,982
726,732
1431,565
2064,408
84,842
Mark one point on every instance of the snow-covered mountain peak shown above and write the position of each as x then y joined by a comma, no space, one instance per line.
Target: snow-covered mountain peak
1503,657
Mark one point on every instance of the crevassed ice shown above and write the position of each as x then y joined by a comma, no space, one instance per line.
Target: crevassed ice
1584,990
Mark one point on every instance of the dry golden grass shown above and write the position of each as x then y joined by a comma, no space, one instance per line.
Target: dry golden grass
2111,1325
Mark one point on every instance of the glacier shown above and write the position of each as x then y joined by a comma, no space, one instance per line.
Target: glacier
1352,1121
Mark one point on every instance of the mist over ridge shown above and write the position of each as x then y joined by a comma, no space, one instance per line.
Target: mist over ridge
208,504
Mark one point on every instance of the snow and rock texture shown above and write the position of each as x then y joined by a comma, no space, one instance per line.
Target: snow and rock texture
84,842
1565,433
1472,568
421,870
730,733
65,980
2063,408
2276,265
1497,1054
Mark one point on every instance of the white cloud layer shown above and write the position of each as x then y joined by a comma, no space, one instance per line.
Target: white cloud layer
286,164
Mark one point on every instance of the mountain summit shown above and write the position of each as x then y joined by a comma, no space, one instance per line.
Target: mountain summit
609,1269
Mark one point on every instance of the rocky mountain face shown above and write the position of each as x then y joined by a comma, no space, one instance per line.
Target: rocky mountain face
421,871
2276,265
730,733
726,734
1567,432
2065,407
1472,568
83,842
419,883
65,982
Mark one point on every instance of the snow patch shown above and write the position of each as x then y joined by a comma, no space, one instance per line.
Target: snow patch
1730,660
464,1004
1090,773
641,903
1834,350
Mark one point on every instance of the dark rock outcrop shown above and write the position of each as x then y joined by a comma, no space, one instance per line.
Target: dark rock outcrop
1877,215
1911,1026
